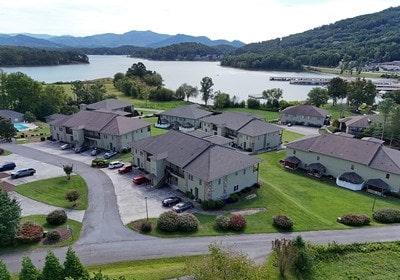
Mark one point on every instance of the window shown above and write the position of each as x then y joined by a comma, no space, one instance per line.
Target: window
148,128
236,173
317,157
294,152
352,167
200,182
219,181
244,171
387,176
190,177
236,188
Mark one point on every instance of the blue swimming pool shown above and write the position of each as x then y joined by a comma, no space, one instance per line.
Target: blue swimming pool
20,126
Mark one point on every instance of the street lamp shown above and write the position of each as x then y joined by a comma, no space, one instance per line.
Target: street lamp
147,212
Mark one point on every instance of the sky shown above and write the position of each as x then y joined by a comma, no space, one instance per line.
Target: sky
246,20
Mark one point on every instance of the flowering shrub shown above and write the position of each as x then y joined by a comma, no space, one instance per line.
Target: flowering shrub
56,217
387,215
282,222
53,236
168,221
222,222
355,220
29,233
188,222
237,222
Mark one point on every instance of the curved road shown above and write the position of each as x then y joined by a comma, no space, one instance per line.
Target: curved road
105,239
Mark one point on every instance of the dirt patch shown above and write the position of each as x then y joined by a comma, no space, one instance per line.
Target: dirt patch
248,211
7,186
4,175
64,235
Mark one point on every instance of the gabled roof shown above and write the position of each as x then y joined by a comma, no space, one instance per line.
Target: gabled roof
258,127
108,104
102,122
231,120
370,153
197,156
305,110
219,140
199,133
9,114
192,111
359,121
53,117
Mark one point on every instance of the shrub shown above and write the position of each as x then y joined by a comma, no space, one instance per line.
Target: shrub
146,227
256,186
204,205
234,197
168,221
56,217
387,215
237,222
219,204
29,233
222,222
355,220
188,222
72,196
53,236
282,222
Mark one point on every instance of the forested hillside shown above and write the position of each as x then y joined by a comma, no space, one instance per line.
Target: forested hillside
16,56
355,42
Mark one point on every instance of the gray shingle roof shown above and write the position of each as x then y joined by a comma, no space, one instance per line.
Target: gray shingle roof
103,122
305,110
370,153
199,157
108,104
199,133
231,120
9,114
219,140
359,121
192,111
258,127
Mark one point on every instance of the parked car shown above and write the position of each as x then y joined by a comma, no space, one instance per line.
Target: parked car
7,166
81,149
183,206
138,180
125,169
95,152
66,146
22,173
110,154
115,164
171,201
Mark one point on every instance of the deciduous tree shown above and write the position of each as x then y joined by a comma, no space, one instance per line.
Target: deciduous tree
187,91
385,107
206,89
337,89
7,129
68,169
318,96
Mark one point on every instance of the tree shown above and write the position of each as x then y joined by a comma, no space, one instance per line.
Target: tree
273,95
137,70
360,91
68,169
29,116
10,217
187,91
222,100
394,126
4,274
395,95
52,269
224,264
28,270
318,96
385,107
337,89
206,88
53,100
73,267
7,129
286,255
72,196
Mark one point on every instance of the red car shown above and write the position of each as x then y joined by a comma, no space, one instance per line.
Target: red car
125,169
138,180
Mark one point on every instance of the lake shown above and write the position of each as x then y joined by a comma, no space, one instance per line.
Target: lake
174,73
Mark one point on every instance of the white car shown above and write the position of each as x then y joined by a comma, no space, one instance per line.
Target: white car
115,164
65,146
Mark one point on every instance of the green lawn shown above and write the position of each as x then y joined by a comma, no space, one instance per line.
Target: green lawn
268,115
41,220
312,204
289,136
52,191
154,269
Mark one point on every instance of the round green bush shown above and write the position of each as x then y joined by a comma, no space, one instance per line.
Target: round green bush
355,220
53,236
146,227
282,222
387,215
168,221
222,222
237,222
188,222
56,217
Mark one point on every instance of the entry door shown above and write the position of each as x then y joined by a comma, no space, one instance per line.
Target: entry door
196,193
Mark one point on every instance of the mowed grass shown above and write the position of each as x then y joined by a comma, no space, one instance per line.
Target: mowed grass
268,115
52,191
154,269
75,226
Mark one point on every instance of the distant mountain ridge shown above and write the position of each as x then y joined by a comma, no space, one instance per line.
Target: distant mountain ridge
148,39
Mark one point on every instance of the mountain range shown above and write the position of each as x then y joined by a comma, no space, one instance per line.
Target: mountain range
148,39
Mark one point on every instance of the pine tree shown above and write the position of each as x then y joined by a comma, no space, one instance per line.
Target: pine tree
73,267
10,216
52,269
4,274
28,270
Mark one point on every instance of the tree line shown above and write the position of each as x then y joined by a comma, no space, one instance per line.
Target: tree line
17,56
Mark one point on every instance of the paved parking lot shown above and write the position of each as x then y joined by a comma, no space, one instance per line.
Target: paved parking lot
131,198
